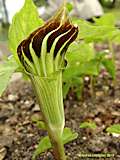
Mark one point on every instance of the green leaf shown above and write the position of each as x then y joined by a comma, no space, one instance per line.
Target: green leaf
24,22
6,71
108,19
79,53
91,125
41,125
45,143
81,61
68,135
69,6
116,38
43,146
87,68
99,56
38,122
93,32
77,83
114,129
110,66
66,88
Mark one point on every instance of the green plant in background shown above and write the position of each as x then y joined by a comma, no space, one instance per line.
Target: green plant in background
83,60
45,144
90,125
114,129
38,51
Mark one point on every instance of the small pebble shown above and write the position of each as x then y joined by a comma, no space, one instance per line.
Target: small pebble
36,108
12,97
3,152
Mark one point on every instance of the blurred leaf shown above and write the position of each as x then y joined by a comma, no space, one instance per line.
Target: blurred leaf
66,88
78,84
87,68
94,32
91,125
79,53
24,22
80,58
114,129
35,119
45,143
6,71
38,122
109,65
101,55
69,6
68,135
43,146
41,125
108,19
116,38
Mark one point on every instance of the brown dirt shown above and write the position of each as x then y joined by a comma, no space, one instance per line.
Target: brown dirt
19,136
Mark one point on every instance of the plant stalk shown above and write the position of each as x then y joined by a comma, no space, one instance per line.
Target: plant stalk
49,94
113,57
58,147
111,50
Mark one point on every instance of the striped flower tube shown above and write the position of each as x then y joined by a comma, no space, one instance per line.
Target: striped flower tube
42,56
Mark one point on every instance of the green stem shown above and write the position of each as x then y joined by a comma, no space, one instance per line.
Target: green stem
92,87
112,50
49,94
58,147
113,57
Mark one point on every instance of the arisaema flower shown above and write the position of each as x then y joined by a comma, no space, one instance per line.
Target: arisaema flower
42,55
48,44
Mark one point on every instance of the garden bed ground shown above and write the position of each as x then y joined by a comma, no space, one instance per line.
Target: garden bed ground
19,136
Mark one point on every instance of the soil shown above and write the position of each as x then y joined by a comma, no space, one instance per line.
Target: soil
19,136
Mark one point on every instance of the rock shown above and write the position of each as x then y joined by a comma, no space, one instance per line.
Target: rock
12,120
36,108
96,145
106,89
27,105
115,135
117,102
15,77
3,152
6,111
12,97
97,120
115,113
75,105
50,156
6,136
26,122
99,94
87,79
6,141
